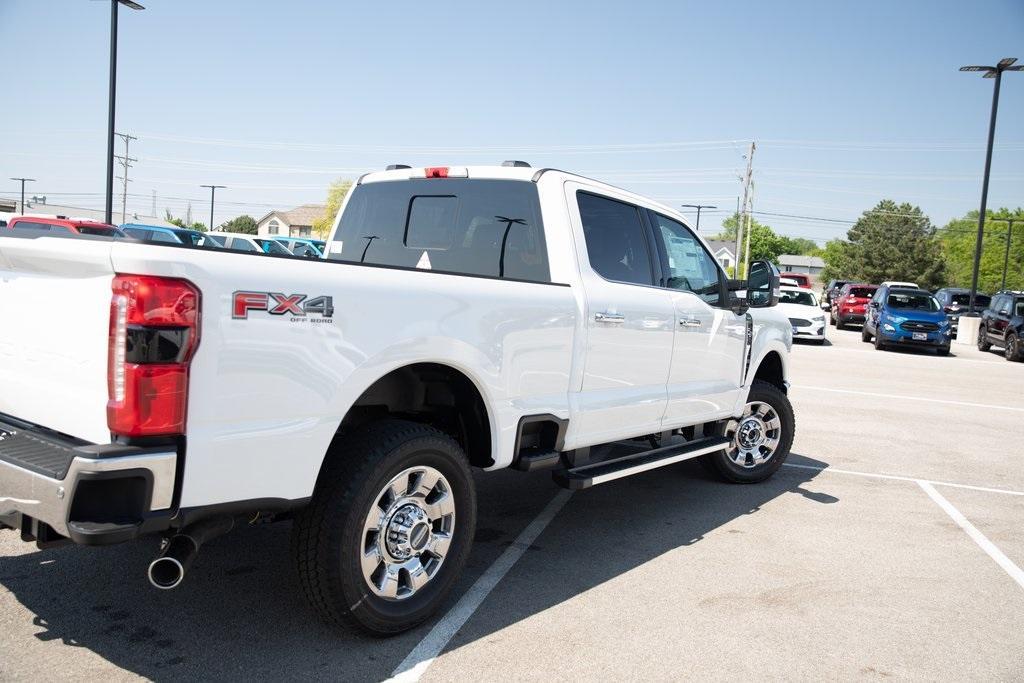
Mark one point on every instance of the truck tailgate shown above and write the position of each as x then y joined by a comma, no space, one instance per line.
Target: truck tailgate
54,320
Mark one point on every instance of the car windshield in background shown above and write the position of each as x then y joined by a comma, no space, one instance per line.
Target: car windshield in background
1018,308
216,239
98,230
466,226
913,302
274,247
862,292
980,300
801,298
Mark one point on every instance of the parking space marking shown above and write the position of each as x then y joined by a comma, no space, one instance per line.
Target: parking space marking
896,477
995,361
423,655
988,546
873,394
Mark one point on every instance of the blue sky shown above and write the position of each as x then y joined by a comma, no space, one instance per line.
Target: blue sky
848,102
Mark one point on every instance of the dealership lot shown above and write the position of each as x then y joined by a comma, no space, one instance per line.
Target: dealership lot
847,564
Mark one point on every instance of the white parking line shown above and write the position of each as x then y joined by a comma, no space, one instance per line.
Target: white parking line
873,394
995,361
916,480
423,655
988,546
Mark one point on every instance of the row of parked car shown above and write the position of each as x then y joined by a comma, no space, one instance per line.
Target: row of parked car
903,314
71,227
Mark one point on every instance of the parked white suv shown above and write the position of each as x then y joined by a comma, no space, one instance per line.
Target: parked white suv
490,317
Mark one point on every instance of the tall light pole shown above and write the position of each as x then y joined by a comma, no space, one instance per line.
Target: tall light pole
995,72
111,96
23,181
698,207
1006,256
213,191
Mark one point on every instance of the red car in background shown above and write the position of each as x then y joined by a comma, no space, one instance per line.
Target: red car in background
63,226
849,304
801,279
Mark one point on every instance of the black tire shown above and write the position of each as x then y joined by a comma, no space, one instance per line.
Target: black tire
879,344
942,351
721,464
983,342
835,323
327,534
1013,350
865,336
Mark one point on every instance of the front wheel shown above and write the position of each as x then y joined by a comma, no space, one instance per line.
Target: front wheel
865,336
760,438
1013,350
879,344
389,527
983,343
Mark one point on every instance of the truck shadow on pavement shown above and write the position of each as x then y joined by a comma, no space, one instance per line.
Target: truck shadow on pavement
239,612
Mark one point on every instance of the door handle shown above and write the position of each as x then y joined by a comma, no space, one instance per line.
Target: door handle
689,321
615,318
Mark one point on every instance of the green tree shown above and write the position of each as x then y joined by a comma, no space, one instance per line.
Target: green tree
765,243
183,222
244,224
958,239
837,260
895,242
335,196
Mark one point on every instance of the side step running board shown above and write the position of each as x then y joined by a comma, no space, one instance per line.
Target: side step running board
589,475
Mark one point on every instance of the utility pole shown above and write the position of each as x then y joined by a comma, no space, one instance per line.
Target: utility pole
213,190
23,181
746,193
750,210
1006,256
126,163
154,203
698,207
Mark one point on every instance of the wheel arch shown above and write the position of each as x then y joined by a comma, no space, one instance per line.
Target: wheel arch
434,393
771,368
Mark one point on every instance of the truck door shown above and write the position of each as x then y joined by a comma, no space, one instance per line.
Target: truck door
710,340
628,320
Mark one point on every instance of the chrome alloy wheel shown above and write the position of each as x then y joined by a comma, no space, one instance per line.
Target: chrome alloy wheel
755,435
407,533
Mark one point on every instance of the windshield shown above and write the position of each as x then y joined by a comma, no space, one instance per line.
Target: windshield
862,292
800,298
965,300
273,247
217,240
913,302
99,230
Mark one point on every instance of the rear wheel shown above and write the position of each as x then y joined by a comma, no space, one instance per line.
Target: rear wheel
832,319
983,343
1013,349
760,437
389,528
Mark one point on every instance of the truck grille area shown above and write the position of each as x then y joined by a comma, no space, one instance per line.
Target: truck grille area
799,322
33,453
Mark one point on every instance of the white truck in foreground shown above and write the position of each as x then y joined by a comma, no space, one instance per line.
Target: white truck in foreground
487,317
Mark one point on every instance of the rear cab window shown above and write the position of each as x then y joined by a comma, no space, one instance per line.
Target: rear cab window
470,226
617,245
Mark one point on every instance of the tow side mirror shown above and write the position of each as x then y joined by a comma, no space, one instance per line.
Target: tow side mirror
763,285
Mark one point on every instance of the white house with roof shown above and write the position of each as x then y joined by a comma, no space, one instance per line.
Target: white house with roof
297,222
724,252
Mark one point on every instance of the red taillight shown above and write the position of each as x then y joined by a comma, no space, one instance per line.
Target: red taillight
154,331
436,171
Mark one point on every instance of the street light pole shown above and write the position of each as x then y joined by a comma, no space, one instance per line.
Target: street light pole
23,181
995,72
698,207
213,190
111,98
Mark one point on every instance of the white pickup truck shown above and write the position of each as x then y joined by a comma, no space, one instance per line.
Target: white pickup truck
487,317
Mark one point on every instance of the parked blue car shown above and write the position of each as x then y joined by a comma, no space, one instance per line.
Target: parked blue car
901,316
158,233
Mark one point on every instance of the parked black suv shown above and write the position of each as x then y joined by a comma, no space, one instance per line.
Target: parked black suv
956,300
831,291
1002,324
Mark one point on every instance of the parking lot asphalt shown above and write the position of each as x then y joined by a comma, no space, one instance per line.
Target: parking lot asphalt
887,547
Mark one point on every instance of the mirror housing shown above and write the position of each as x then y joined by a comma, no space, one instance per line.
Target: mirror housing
763,285
873,304
826,306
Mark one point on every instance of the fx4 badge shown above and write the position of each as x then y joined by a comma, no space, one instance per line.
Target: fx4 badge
298,307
